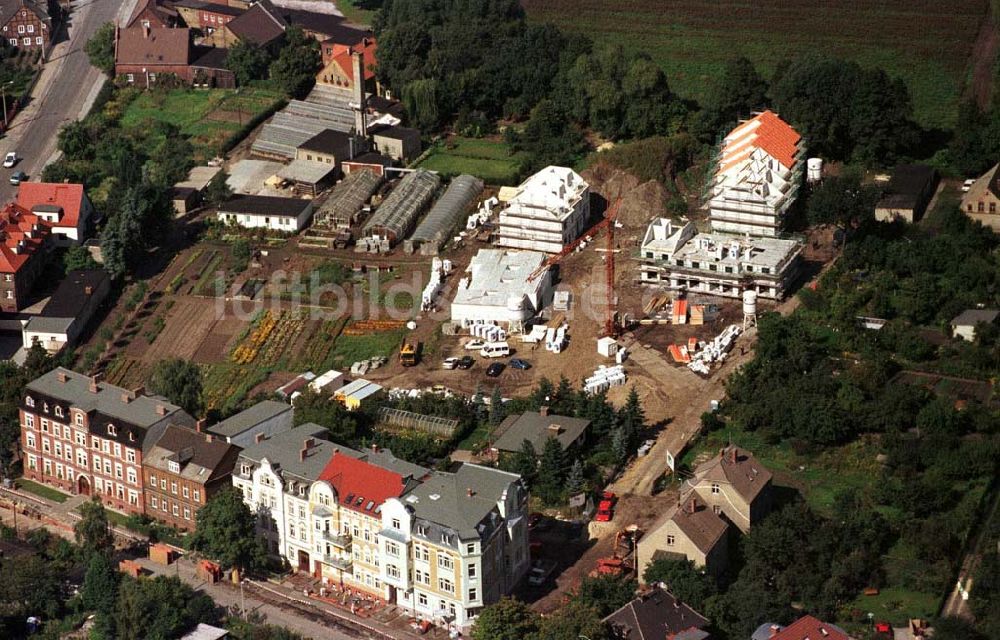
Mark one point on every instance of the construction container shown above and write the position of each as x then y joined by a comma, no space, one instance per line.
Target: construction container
162,554
607,347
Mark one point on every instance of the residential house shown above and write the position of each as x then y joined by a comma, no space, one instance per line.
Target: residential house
757,177
358,393
153,14
25,242
209,69
982,201
64,206
735,485
87,437
206,16
68,311
498,288
144,54
26,24
402,144
339,69
908,193
680,258
964,324
690,530
290,215
262,24
656,613
267,418
182,471
546,212
537,427
805,628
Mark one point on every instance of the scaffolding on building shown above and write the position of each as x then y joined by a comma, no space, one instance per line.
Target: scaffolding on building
439,222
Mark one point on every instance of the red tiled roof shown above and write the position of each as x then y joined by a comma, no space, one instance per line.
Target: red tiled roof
810,628
367,48
360,484
17,224
69,197
772,134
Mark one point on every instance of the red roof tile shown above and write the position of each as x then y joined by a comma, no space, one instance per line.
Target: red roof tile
772,134
810,628
17,224
69,197
367,47
360,484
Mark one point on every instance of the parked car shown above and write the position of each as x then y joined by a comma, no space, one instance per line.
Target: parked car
10,159
540,572
968,184
495,369
475,344
449,363
606,507
495,350
466,362
517,363
645,447
18,177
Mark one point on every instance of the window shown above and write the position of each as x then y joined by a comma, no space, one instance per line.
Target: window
13,43
131,476
45,425
470,548
20,28
993,207
163,484
187,513
421,577
392,571
291,529
421,553
133,498
980,207
29,421
59,411
113,432
118,471
472,570
421,530
79,419
130,456
185,491
473,595
392,549
445,561
395,524
31,28
175,510
245,469
422,599
670,541
45,445
81,439
152,480
118,450
173,488
716,488
153,502
197,495
130,77
446,585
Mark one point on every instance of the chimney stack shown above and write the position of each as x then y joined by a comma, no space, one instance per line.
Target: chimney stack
161,410
258,438
732,454
94,381
88,290
308,443
692,505
200,425
469,492
358,88
209,438
775,630
126,397
544,411
302,455
61,376
138,391
145,31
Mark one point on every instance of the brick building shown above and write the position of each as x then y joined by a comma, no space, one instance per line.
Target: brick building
182,470
143,55
26,24
88,437
153,13
24,248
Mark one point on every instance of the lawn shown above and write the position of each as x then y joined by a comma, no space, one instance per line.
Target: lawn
927,43
897,605
208,116
492,161
354,11
42,491
350,349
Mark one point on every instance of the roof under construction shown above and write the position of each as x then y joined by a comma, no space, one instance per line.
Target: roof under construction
397,215
348,197
440,220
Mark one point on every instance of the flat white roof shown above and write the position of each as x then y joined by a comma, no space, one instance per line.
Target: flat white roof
359,389
498,276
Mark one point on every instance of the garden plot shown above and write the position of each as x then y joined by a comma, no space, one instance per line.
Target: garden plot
187,324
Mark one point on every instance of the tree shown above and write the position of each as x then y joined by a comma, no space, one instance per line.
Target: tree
226,532
299,60
496,407
575,479
605,594
507,619
12,381
525,462
159,608
686,583
248,61
101,48
573,620
93,531
843,201
323,410
29,587
551,472
180,382
137,221
631,418
78,257
217,190
99,592
739,91
549,138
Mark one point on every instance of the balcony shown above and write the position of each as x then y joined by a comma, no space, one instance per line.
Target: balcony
341,541
344,563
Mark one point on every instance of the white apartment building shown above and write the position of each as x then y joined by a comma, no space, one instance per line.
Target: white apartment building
442,545
547,211
757,177
680,258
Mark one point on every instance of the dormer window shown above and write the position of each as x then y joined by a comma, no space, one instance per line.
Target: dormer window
111,430
59,411
716,488
174,467
45,407
29,401
79,419
131,436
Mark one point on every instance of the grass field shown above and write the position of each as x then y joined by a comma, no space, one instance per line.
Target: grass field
927,43
208,116
350,349
492,161
42,491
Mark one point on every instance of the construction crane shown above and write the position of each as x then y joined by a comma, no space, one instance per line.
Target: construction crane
611,324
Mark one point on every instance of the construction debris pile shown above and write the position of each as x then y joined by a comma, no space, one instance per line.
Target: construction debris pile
699,356
604,378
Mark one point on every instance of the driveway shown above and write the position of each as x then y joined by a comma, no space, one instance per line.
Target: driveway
65,91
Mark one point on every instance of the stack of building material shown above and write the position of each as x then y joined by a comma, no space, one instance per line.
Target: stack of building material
697,314
488,332
604,378
715,350
678,312
556,338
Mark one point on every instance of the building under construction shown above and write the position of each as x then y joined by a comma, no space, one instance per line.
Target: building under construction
440,221
398,213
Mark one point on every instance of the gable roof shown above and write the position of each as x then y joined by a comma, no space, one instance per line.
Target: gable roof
284,450
537,429
972,317
164,12
656,615
736,467
264,206
73,293
249,418
68,197
200,460
159,46
22,234
810,628
764,131
702,527
9,8
367,48
260,24
360,485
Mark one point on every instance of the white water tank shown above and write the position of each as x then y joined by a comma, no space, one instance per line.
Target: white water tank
749,302
814,169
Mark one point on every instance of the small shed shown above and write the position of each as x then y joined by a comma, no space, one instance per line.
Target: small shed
162,554
607,347
964,324
357,393
131,568
209,571
184,199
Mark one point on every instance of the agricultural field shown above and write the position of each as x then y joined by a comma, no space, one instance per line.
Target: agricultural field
927,43
208,116
490,160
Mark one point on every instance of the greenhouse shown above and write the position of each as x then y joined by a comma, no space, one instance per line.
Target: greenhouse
398,213
435,228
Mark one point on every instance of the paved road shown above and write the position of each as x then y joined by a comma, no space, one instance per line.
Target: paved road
64,92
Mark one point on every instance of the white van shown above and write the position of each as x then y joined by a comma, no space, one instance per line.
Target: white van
495,350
